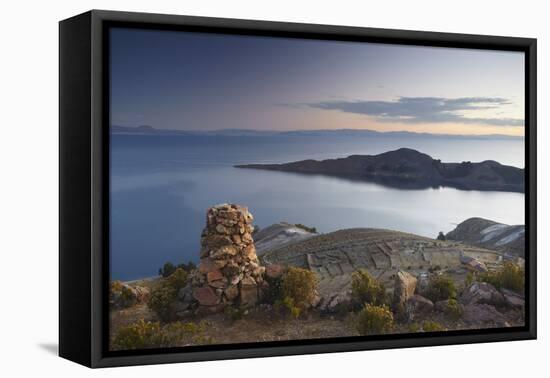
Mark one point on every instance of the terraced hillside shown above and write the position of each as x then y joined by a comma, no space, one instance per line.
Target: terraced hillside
334,256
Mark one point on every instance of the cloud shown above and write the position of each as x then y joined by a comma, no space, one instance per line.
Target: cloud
425,109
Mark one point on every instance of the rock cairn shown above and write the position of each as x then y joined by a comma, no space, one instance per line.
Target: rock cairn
229,272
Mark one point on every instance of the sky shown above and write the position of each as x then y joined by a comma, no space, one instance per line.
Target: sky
196,81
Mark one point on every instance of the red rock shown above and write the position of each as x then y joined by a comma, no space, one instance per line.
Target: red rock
274,270
206,296
207,265
214,275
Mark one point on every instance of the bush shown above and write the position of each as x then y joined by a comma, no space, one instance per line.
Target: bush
121,295
169,268
162,300
163,297
287,304
177,279
373,319
441,288
454,310
430,326
143,334
299,285
441,236
138,336
509,276
366,289
306,228
414,328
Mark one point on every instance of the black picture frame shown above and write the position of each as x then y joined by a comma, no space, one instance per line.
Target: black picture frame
84,187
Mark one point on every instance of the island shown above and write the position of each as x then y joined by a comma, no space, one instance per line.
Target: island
406,168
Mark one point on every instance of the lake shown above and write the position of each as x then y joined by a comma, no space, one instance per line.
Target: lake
162,185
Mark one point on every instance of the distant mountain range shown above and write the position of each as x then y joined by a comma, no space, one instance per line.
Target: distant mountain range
149,130
409,169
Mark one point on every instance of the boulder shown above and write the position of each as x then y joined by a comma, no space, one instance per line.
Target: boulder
206,296
513,299
418,305
483,314
482,292
405,285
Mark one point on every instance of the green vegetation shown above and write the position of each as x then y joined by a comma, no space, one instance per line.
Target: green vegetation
453,309
170,268
143,334
163,296
373,319
306,228
441,236
414,327
509,276
121,294
366,289
440,288
297,290
431,326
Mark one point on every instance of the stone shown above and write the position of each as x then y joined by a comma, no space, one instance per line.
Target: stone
513,299
248,294
214,275
481,314
405,285
482,292
207,265
206,296
232,292
417,304
229,272
274,270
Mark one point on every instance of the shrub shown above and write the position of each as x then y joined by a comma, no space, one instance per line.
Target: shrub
177,279
441,236
287,304
441,288
143,334
306,228
274,292
121,295
299,285
138,335
414,327
163,297
453,309
167,269
161,301
509,276
366,289
469,279
431,326
373,319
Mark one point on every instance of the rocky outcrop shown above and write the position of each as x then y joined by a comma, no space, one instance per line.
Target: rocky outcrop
482,292
279,235
480,315
405,285
229,271
485,233
418,305
406,168
122,295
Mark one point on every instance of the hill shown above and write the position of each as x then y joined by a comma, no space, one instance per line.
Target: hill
409,169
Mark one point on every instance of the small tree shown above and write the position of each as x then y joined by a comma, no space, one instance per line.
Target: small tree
509,276
167,269
374,319
298,290
440,288
366,289
441,236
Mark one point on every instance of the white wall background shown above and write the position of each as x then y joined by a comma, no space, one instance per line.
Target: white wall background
29,174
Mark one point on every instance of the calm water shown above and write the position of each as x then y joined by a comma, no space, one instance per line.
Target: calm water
162,185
